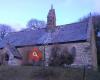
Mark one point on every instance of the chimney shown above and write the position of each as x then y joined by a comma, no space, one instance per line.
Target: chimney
51,19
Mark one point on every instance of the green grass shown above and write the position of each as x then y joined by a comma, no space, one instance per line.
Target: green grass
48,73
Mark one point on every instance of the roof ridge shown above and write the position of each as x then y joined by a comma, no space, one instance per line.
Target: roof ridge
74,23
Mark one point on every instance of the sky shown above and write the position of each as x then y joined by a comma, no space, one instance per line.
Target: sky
17,13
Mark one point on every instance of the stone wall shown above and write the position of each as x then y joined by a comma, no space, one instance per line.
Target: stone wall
82,52
91,38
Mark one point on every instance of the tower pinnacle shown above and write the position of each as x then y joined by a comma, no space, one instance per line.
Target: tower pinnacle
51,19
51,6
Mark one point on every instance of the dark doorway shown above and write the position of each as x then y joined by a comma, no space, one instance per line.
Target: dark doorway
6,57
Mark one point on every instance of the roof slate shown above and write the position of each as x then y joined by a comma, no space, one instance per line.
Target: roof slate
63,33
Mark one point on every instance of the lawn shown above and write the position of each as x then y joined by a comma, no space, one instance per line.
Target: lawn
48,73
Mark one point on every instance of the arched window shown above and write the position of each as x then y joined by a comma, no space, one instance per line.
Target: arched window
73,52
6,57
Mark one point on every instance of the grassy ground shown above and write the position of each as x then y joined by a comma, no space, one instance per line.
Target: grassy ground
48,73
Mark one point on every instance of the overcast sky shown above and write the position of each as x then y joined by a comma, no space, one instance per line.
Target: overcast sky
18,12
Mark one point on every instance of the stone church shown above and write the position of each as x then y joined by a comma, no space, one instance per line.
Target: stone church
80,36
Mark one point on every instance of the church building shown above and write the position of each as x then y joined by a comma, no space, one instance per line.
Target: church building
77,38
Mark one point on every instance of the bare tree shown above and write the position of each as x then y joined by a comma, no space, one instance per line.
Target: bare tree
34,24
95,18
4,30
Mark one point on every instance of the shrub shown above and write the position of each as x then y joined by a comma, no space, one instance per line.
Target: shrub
60,57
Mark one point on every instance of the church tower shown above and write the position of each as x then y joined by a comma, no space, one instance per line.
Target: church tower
51,19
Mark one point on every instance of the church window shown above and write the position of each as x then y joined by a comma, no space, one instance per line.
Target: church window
73,52
6,57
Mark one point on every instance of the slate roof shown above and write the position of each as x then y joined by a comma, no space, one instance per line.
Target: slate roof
63,33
